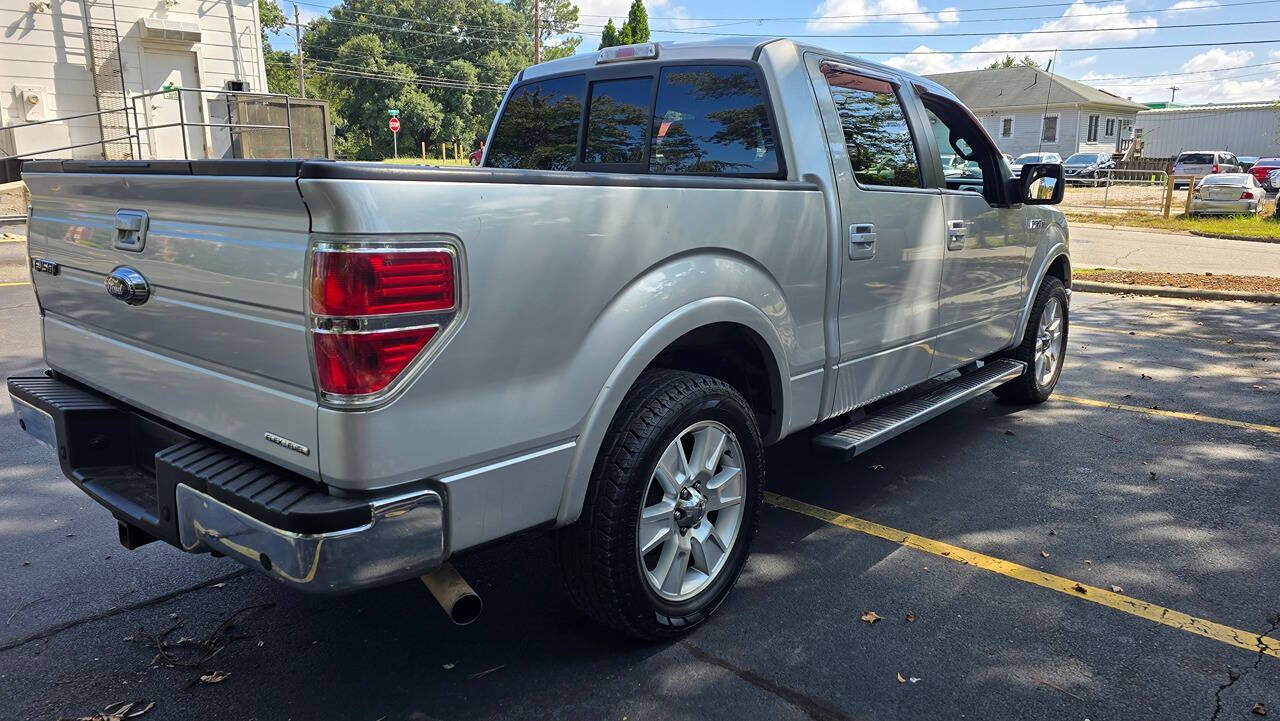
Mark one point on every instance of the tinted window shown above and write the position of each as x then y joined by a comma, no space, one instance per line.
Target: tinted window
711,119
1196,158
539,126
875,130
617,119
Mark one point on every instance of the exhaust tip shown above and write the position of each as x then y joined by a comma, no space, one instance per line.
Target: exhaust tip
460,602
466,609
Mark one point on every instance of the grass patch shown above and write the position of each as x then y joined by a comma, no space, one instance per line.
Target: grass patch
428,161
1264,226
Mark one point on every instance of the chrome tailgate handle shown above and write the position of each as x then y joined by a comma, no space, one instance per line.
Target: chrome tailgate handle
955,234
862,241
131,230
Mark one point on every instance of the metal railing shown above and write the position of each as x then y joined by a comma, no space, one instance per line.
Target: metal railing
136,128
1115,189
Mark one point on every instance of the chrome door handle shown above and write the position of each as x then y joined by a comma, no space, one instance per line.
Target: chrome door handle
862,241
955,234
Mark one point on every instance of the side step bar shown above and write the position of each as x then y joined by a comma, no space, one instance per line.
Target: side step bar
868,432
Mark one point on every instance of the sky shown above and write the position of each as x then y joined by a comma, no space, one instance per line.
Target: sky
926,36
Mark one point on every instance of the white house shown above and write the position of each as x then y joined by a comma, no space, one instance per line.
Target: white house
61,58
1241,128
1026,109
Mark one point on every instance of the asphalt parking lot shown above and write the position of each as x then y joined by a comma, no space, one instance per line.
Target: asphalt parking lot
1111,554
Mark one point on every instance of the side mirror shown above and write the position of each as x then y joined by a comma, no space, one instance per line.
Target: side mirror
1042,184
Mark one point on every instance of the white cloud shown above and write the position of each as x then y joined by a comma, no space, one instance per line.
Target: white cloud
1218,58
836,15
1085,62
1194,5
1078,26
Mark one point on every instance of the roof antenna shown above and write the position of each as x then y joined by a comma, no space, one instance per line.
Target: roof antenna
1045,115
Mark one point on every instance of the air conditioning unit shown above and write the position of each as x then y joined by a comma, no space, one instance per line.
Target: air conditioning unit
172,31
236,86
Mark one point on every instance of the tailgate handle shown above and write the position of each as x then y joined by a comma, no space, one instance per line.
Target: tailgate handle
131,230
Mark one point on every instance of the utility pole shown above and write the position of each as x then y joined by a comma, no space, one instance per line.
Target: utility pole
1173,92
537,31
297,42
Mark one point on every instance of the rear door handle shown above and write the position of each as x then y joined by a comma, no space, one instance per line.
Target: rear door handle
955,234
862,241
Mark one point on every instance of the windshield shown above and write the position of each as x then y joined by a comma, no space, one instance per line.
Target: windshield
1082,159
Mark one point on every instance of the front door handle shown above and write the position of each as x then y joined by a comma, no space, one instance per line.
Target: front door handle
862,241
955,234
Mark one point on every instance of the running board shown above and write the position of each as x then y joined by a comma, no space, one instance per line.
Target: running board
868,432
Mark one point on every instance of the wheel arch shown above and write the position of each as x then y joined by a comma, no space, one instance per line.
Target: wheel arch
1056,263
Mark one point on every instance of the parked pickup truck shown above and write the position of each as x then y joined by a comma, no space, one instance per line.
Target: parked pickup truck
345,374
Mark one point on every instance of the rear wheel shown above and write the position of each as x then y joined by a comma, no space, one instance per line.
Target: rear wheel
1043,347
671,510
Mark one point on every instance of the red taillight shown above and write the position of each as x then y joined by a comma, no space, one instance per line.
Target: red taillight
374,310
1246,195
361,363
1215,167
376,282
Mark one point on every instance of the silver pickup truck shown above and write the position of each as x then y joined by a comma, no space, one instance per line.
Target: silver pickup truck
344,374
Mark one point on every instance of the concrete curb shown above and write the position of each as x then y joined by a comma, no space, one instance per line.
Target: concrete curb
1088,286
1223,236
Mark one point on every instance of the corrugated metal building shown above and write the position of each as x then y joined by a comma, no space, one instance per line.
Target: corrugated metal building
1241,128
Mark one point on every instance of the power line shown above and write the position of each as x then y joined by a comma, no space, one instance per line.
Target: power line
355,75
1195,72
1061,50
431,78
979,34
899,14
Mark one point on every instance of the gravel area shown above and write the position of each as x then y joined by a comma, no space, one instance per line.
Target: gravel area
1209,281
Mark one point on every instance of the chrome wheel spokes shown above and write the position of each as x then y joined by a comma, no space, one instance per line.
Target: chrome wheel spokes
692,511
1050,337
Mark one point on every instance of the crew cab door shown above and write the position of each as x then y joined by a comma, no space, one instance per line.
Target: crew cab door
985,248
891,250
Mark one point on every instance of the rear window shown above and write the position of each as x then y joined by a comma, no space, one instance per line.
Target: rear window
1196,159
539,126
711,120
617,120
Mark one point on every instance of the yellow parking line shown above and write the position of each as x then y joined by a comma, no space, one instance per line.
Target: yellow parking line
1142,609
1180,337
16,282
1181,415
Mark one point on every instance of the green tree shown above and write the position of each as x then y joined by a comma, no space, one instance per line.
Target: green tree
624,35
281,65
638,22
559,20
609,37
1009,62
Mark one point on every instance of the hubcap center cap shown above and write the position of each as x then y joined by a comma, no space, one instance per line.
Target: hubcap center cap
691,508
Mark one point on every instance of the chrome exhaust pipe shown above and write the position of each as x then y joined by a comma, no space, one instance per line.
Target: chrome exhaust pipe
460,602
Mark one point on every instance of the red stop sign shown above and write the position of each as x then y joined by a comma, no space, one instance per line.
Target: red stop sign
394,124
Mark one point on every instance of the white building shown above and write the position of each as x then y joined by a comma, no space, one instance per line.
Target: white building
61,58
1240,128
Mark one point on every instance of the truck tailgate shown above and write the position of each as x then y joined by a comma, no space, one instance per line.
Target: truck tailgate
220,345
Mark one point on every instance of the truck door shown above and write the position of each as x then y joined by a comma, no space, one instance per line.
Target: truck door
891,259
985,244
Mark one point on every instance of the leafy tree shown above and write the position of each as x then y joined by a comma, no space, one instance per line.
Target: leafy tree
638,22
609,37
1009,62
559,18
624,35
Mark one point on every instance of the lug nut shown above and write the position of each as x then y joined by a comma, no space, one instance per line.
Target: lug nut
679,513
684,493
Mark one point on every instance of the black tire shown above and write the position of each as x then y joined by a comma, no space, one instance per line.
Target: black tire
597,555
1027,388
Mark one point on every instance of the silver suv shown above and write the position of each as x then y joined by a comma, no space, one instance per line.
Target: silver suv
1204,162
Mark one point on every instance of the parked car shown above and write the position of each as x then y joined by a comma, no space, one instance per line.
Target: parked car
1262,171
1087,167
476,157
399,364
1204,162
1030,158
1228,194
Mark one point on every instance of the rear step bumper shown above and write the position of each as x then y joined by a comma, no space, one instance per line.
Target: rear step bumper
199,496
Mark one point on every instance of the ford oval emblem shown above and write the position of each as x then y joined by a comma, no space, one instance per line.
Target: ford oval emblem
126,284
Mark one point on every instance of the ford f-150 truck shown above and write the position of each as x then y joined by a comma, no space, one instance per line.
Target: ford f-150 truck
345,374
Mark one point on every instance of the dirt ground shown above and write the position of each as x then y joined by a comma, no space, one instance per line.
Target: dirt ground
1209,281
13,202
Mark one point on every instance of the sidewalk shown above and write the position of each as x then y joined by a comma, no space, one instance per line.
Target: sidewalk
1099,246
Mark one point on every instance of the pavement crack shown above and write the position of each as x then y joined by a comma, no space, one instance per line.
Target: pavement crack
1233,676
147,603
814,709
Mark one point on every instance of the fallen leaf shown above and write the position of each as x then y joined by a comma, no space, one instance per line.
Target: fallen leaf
1127,395
448,667
1153,475
946,553
901,679
219,585
1080,589
911,618
173,615
1116,589
1259,708
1230,342
214,677
1145,377
1044,554
914,679
870,616
1052,532
1088,562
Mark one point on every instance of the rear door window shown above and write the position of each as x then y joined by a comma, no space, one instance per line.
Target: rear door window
539,126
712,119
617,119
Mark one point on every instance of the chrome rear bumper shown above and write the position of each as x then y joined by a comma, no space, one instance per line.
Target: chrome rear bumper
404,539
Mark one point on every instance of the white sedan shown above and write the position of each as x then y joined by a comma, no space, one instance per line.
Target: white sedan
1227,194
